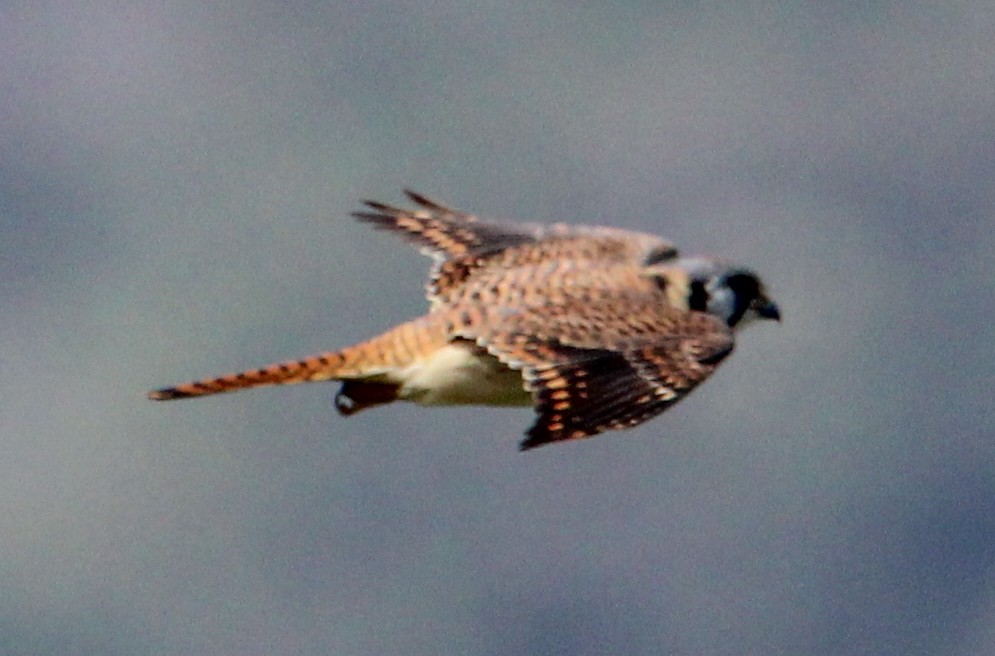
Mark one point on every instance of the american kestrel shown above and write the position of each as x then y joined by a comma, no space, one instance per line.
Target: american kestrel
597,328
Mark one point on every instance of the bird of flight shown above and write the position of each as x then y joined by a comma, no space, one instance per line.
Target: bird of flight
596,328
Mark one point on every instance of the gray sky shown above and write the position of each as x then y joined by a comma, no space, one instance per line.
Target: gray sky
175,180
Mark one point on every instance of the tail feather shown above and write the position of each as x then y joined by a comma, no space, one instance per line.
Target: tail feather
373,361
323,366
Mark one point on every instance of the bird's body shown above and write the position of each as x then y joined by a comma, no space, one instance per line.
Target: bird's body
598,328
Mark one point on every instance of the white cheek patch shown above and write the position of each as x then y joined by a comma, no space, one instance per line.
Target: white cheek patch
721,300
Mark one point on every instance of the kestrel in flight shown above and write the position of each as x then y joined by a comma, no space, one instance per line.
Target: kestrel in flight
597,328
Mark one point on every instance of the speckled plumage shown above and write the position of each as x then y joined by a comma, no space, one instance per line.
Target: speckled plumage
597,328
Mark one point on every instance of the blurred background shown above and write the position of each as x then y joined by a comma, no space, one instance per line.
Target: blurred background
175,183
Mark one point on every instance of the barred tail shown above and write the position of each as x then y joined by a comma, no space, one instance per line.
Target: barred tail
373,359
317,367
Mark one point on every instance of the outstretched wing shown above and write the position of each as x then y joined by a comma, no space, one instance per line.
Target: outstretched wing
443,232
607,365
463,246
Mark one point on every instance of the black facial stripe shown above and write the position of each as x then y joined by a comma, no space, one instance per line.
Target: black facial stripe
698,300
745,289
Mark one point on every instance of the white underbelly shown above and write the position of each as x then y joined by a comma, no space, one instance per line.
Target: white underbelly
456,375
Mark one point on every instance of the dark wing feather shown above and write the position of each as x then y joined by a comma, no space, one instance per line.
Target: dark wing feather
459,242
608,365
466,247
444,232
585,392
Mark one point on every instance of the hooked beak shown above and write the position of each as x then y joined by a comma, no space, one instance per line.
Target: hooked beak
766,308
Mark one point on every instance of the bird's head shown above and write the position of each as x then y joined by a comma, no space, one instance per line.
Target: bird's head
730,292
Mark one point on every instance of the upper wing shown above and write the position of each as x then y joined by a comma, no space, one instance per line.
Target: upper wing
443,232
464,246
606,365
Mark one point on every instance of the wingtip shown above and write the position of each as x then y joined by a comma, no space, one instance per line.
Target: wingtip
377,205
424,201
531,441
370,217
414,195
418,199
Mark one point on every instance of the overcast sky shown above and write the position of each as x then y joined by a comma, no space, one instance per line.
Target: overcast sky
175,183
